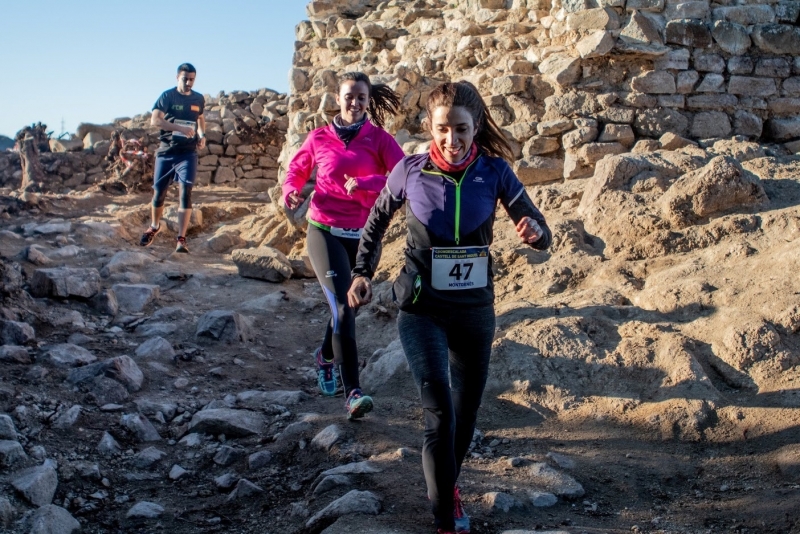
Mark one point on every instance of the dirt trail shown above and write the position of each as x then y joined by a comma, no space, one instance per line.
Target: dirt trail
666,385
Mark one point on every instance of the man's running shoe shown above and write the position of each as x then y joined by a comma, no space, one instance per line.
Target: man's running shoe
459,515
326,374
181,246
149,235
358,405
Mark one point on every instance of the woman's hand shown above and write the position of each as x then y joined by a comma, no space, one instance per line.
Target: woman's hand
293,200
350,185
360,292
529,230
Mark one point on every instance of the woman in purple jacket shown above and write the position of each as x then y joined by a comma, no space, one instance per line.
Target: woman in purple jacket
352,157
445,291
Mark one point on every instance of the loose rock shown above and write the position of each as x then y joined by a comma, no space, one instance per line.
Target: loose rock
353,502
37,484
52,519
145,510
223,325
233,423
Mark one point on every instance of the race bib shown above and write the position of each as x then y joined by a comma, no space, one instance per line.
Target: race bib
183,123
459,267
349,233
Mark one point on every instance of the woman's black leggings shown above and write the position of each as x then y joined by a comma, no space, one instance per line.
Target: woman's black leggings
448,353
332,258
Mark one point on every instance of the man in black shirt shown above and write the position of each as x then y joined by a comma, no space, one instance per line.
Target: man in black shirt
178,112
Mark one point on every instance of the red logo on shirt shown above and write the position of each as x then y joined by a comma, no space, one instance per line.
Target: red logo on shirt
196,108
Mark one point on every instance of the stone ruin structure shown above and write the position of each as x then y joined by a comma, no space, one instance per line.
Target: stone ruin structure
244,132
569,81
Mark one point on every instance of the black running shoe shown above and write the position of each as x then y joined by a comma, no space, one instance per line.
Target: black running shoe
181,246
149,235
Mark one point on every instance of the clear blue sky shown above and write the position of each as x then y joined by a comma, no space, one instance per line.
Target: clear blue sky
96,60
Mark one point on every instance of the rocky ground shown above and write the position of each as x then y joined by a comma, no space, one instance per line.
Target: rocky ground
644,378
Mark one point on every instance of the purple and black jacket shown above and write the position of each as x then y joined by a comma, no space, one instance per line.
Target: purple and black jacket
443,211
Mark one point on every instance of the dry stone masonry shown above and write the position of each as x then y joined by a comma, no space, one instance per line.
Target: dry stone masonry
570,81
244,131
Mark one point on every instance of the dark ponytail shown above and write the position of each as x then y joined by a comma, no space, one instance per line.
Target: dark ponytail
487,134
382,100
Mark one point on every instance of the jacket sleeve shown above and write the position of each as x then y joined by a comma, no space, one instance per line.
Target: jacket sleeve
389,201
390,154
518,204
300,168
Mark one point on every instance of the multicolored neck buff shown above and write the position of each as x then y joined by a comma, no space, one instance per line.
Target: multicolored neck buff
446,166
347,133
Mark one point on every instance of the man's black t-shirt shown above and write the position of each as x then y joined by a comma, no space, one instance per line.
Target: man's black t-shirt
179,109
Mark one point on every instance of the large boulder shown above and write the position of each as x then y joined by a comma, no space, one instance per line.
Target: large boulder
719,186
264,263
65,282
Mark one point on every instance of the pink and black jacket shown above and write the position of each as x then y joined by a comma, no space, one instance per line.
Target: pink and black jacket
371,154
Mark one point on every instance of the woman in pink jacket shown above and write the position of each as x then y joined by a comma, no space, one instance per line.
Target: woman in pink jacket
352,156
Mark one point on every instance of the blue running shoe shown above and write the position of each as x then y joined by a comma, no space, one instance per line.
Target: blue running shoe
358,405
326,374
459,515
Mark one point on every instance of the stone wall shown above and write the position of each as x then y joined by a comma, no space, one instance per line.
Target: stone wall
569,81
244,132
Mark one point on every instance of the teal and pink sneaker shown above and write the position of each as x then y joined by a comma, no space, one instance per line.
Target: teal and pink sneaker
326,374
358,405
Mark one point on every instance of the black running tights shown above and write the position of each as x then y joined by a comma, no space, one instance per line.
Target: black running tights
332,258
448,352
